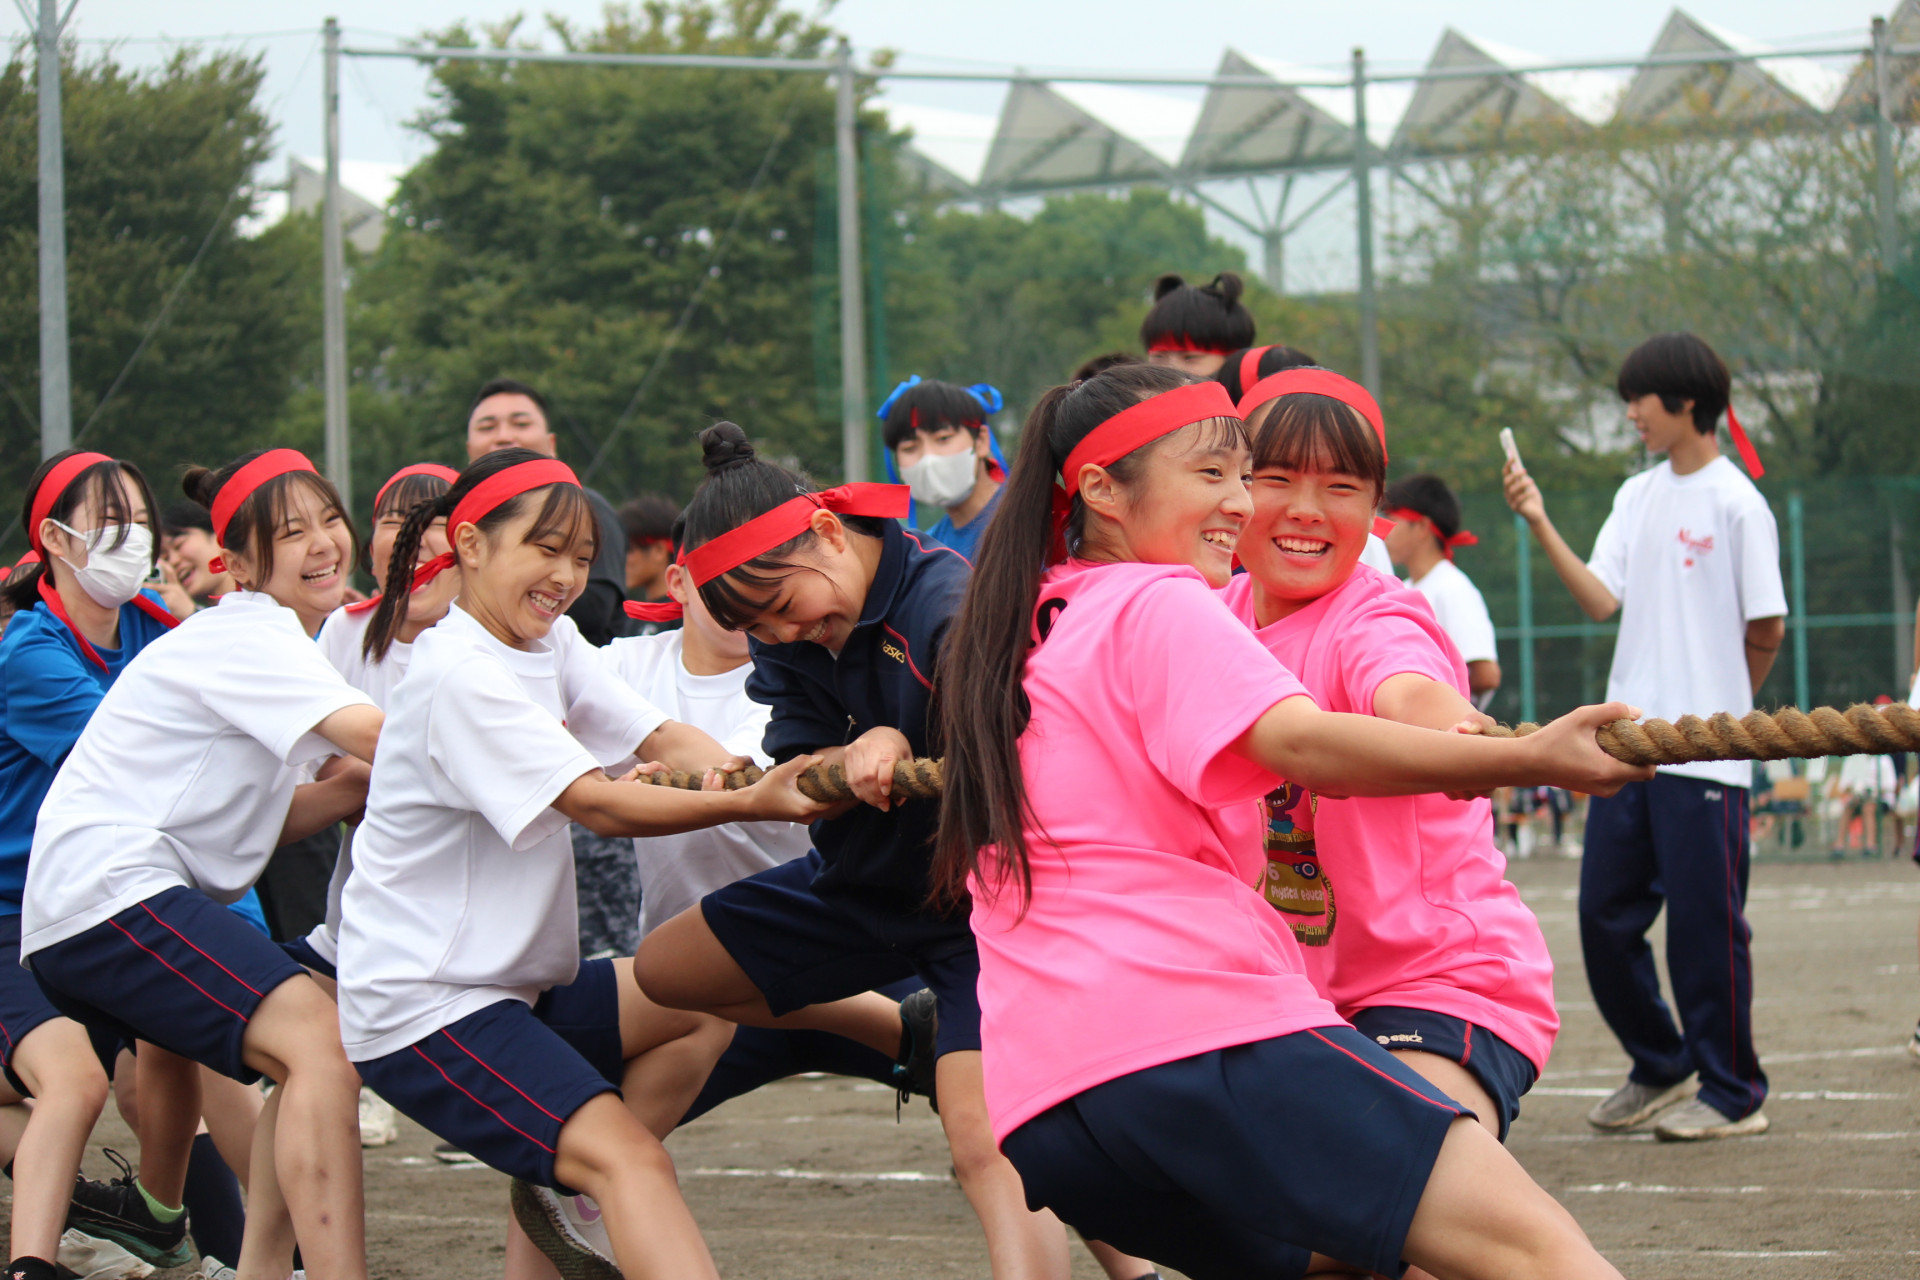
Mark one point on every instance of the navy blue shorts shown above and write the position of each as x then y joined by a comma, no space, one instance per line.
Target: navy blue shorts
302,951
1243,1161
24,1006
1502,1070
501,1082
800,948
178,970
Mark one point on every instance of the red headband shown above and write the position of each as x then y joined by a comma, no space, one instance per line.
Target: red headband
1319,382
788,521
417,469
658,610
1143,423
1182,342
1464,538
58,481
268,466
1250,367
485,497
1748,454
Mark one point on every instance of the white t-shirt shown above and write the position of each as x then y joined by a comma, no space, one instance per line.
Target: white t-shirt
1375,555
678,871
185,773
340,639
1692,559
462,891
1461,609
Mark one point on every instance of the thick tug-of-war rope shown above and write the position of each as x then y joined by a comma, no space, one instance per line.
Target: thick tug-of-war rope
1759,735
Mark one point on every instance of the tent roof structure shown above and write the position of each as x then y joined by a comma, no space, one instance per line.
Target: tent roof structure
1054,136
1725,91
1465,114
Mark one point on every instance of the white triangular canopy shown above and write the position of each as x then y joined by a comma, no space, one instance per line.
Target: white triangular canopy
1055,135
1724,90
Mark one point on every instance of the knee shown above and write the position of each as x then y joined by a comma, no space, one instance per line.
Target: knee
659,979
80,1087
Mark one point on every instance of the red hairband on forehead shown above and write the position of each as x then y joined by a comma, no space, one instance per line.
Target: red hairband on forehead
417,469
1319,382
1183,343
788,521
248,479
487,496
57,482
1464,538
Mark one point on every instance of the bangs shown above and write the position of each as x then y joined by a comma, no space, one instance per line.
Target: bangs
564,513
1205,436
1318,433
737,597
96,484
267,510
406,493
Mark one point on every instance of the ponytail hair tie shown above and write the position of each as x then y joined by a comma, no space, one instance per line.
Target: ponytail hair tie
989,396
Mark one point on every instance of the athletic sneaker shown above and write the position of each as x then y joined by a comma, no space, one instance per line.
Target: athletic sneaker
213,1269
117,1211
377,1125
452,1154
1634,1103
1698,1122
567,1229
88,1257
1913,1046
913,1071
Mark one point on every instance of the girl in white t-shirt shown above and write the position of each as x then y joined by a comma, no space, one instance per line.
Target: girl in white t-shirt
462,996
170,804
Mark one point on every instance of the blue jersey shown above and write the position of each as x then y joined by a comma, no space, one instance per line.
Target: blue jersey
883,677
966,539
48,690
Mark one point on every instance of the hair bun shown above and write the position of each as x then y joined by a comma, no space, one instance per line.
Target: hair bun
1229,286
197,483
724,445
1166,284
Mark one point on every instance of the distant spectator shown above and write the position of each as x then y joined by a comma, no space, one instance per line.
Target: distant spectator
1193,327
941,446
648,521
187,553
1426,529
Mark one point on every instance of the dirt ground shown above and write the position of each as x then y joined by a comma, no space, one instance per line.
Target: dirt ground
813,1180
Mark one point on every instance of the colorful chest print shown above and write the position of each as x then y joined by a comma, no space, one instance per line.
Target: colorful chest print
1295,884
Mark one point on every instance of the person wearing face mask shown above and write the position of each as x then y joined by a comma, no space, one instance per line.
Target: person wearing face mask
940,446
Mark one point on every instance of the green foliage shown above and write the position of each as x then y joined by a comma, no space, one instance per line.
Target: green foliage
157,165
1868,417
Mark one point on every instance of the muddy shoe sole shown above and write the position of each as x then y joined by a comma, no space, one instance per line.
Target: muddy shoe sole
541,1220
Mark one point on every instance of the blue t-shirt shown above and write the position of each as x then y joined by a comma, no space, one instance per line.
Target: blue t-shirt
48,690
964,540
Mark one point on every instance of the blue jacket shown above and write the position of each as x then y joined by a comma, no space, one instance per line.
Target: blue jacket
884,676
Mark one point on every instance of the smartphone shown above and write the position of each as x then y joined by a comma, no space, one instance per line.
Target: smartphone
1506,442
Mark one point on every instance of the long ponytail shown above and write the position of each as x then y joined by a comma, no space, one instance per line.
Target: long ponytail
983,702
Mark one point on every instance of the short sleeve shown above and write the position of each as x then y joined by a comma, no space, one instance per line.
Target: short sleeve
275,687
1199,680
50,694
1609,559
748,737
605,714
508,759
1389,638
1762,594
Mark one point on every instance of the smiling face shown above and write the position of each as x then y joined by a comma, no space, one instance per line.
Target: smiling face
1188,504
428,604
312,555
1307,533
519,578
190,554
507,421
1659,430
819,598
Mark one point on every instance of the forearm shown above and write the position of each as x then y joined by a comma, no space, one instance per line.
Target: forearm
1588,591
683,747
1423,702
609,808
1763,640
319,805
1353,755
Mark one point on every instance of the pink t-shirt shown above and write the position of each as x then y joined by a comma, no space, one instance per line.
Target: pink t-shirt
1401,900
1144,941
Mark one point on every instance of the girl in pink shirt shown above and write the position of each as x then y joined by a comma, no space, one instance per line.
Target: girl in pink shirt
1400,903
1158,1065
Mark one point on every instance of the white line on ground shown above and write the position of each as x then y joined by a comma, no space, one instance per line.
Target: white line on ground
1768,1060
1662,1189
820,1175
1778,1095
1898,1135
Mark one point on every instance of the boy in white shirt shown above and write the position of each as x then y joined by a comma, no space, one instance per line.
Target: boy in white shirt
1690,558
1426,529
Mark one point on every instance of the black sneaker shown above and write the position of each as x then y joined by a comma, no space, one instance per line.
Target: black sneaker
117,1211
913,1071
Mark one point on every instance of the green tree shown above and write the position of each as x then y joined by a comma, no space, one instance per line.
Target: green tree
160,173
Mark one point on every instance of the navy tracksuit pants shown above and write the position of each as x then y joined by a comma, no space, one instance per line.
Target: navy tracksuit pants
1682,842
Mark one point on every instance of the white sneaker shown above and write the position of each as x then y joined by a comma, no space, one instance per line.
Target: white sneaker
1695,1121
377,1125
1635,1104
212,1268
567,1229
91,1258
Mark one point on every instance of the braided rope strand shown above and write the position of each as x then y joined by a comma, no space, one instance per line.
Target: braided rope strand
1759,735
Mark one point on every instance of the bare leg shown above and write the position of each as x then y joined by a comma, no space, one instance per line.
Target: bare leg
681,965
15,1114
606,1152
169,1117
266,1247
524,1259
1456,1082
294,1037
57,1063
670,1053
1116,1264
1022,1244
230,1110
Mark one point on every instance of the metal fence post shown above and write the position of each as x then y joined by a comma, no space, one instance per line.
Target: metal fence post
1523,554
1886,204
1797,562
56,374
853,321
1363,223
333,266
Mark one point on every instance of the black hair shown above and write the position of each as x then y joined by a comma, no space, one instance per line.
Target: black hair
1100,364
649,518
1205,317
408,492
1274,359
22,586
738,487
1309,432
1678,367
982,707
564,511
1428,494
510,387
929,405
256,522
178,517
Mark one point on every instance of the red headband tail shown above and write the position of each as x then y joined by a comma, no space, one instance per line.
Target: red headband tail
788,521
268,466
1463,538
1319,382
58,481
487,496
655,610
1250,367
1382,526
1748,454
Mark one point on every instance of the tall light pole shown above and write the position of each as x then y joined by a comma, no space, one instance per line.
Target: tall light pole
56,375
333,303
853,319
1363,223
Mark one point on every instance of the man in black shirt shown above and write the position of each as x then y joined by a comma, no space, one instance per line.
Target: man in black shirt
507,414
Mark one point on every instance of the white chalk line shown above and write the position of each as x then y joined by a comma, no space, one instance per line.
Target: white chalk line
1777,1095
1664,1189
1895,1135
820,1175
1769,1060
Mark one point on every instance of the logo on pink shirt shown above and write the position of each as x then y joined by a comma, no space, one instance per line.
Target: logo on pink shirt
1295,884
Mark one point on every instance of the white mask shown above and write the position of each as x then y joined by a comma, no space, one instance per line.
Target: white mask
112,575
942,479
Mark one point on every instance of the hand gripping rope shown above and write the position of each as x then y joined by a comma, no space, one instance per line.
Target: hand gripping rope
1760,735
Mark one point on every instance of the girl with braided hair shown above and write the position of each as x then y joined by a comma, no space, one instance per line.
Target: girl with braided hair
1156,1057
